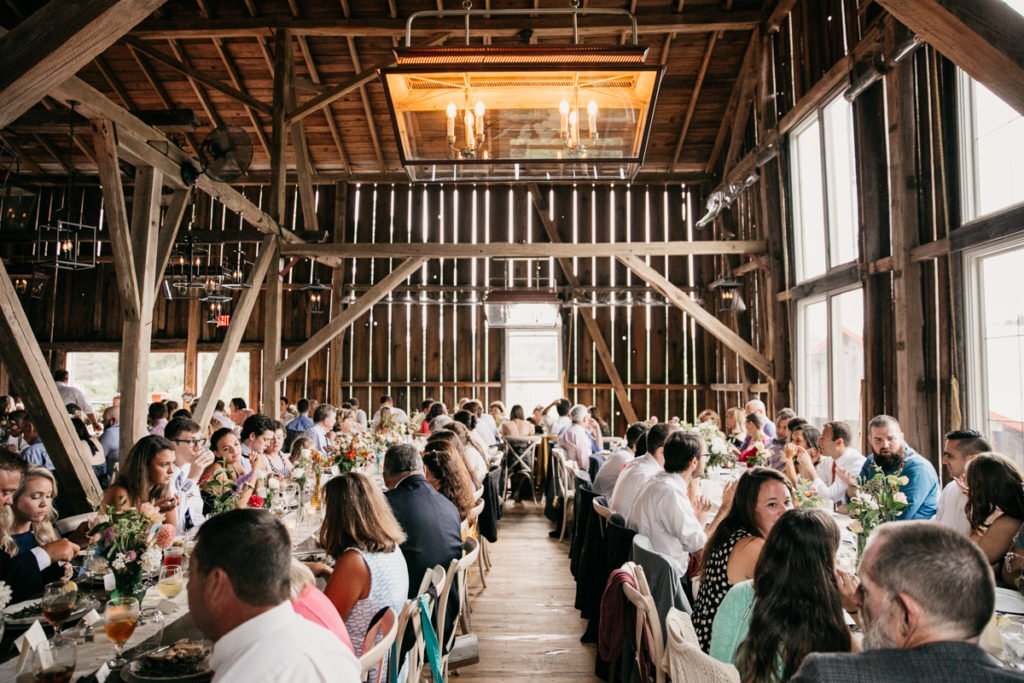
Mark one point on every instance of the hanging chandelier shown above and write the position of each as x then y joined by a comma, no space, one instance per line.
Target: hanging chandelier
521,112
65,243
317,295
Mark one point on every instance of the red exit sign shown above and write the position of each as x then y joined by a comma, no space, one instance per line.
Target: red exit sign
223,320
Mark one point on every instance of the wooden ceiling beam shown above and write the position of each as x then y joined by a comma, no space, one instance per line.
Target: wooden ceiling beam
700,315
983,37
779,15
648,23
345,318
186,69
160,90
737,112
691,107
463,250
362,77
56,41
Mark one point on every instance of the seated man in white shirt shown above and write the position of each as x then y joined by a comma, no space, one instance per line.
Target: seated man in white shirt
635,446
836,455
664,512
191,459
238,596
399,415
579,439
555,423
959,450
637,473
257,431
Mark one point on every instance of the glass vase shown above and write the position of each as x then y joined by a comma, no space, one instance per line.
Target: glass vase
128,582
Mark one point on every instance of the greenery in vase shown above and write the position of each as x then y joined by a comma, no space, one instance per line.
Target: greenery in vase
806,496
878,500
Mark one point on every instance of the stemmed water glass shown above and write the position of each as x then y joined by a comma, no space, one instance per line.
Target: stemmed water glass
119,621
59,600
54,661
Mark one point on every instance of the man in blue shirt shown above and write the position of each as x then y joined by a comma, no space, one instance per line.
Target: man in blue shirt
295,428
892,455
35,453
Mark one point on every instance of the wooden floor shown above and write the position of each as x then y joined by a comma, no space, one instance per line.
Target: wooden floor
525,619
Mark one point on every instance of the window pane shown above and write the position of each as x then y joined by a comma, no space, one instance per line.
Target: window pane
96,374
998,146
808,202
842,181
237,383
848,358
1002,330
812,367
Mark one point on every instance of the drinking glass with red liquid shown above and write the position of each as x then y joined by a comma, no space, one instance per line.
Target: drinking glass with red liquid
173,556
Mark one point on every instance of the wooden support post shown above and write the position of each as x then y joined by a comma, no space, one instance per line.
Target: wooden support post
303,163
191,383
24,361
272,319
239,321
336,365
105,139
587,315
57,40
133,370
272,313
983,37
908,303
700,315
345,318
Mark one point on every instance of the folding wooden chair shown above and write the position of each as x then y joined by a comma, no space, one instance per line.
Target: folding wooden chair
565,481
520,464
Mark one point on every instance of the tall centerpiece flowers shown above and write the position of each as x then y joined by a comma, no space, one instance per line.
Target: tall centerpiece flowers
878,500
759,458
131,544
356,451
716,445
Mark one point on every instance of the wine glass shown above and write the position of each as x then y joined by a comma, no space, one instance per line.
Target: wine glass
54,660
171,582
119,621
290,493
59,600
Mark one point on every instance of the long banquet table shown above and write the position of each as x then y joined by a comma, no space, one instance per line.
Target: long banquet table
177,623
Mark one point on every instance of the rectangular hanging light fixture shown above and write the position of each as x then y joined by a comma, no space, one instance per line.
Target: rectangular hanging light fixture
523,112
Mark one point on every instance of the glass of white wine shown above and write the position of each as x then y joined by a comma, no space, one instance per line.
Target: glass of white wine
171,582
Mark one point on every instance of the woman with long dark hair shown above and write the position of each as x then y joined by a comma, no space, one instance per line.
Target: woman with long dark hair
792,607
995,503
144,476
761,497
444,469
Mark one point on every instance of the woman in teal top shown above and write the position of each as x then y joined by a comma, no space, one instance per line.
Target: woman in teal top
792,607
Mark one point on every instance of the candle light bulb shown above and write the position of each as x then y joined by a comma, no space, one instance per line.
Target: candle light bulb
574,131
563,108
592,118
480,109
451,120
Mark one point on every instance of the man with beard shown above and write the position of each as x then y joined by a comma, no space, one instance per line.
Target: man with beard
892,455
925,596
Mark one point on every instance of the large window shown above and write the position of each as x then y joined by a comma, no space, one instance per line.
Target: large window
996,347
823,182
992,145
830,358
533,367
237,383
96,374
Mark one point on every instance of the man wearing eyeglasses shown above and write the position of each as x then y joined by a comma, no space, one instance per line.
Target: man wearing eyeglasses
190,461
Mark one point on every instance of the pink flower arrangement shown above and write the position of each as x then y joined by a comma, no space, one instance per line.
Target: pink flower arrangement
165,536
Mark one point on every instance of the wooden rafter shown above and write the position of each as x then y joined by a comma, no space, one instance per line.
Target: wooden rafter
176,208
57,40
348,316
335,93
983,37
159,89
656,22
204,99
737,112
186,69
464,250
